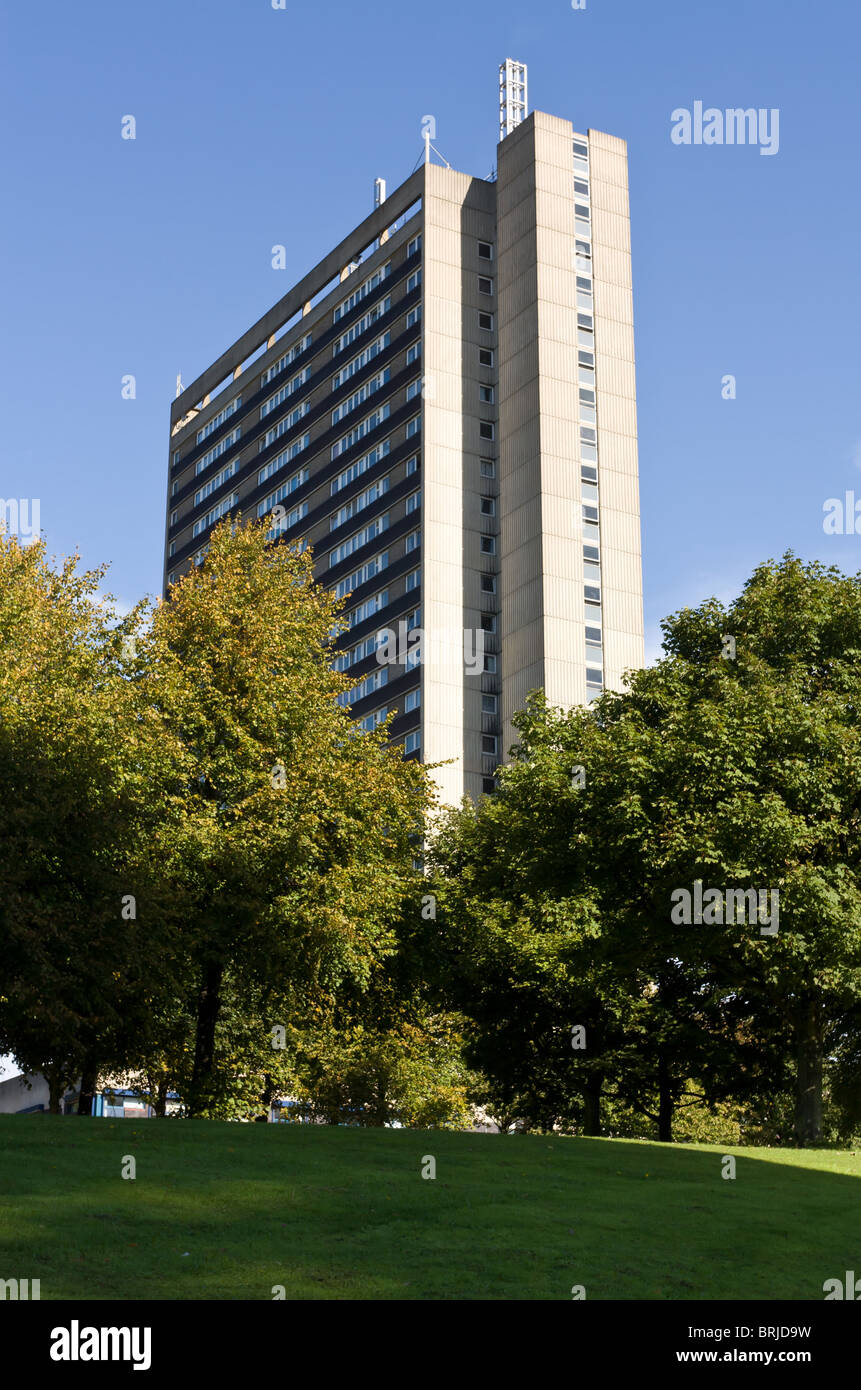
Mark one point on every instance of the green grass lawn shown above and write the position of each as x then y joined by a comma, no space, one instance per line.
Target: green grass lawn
227,1211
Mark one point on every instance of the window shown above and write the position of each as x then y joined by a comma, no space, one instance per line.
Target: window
488,583
488,743
414,388
587,435
412,542
364,649
361,466
289,356
413,580
582,248
414,244
219,419
414,281
413,502
413,426
586,359
365,289
362,325
490,663
215,513
591,552
489,704
485,321
358,539
587,397
359,397
414,315
215,482
486,430
593,676
585,321
173,517
175,489
485,285
284,392
589,492
370,721
286,424
359,431
592,571
485,394
216,451
588,473
368,609
358,504
591,593
487,468
373,682
585,336
485,357
286,456
581,150
414,352
361,576
488,545
488,622
581,211
593,634
413,742
485,251
171,550
488,785
283,491
367,355
412,700
412,465
581,187
488,506
285,522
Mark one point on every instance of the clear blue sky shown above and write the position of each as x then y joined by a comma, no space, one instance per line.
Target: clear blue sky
257,126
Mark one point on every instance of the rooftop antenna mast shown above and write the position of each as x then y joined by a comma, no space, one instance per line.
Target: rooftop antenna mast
513,104
428,128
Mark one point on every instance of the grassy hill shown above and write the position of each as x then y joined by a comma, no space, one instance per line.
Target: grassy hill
227,1211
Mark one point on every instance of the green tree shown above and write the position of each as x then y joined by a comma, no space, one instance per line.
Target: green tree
293,848
80,765
735,766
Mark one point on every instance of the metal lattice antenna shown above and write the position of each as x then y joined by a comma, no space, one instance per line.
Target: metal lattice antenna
513,105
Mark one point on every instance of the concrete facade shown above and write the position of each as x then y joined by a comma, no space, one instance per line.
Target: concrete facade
445,409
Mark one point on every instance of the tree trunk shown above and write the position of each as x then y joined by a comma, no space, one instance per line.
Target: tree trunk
592,1108
160,1098
265,1100
89,1081
808,1079
208,1008
666,1104
56,1087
